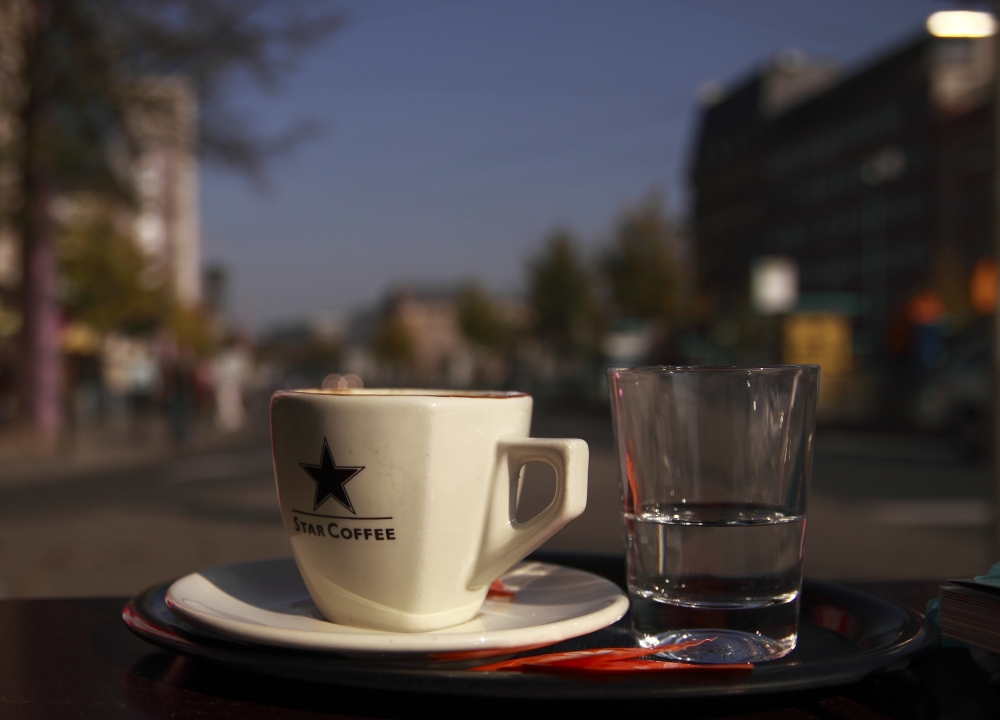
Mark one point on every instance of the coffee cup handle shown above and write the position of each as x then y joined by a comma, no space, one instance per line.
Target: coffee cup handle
506,541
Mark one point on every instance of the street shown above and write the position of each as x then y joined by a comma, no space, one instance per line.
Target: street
882,507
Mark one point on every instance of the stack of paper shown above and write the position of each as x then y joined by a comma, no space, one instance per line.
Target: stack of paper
970,613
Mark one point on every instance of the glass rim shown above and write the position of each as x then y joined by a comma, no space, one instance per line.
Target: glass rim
711,369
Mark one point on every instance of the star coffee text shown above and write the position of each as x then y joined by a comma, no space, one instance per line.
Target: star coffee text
333,530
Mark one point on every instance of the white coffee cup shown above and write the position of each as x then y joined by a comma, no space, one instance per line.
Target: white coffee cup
399,504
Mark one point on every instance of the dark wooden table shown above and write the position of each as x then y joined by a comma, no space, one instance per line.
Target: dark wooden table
74,658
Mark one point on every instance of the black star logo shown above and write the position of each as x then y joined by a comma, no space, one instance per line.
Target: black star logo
330,479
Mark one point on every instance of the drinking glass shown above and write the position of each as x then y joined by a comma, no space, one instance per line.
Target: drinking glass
715,466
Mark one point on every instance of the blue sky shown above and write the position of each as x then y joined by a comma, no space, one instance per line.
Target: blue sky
459,133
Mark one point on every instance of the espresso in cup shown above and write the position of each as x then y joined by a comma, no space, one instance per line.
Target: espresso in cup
399,504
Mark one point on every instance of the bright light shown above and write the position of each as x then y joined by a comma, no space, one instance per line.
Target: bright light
961,24
774,284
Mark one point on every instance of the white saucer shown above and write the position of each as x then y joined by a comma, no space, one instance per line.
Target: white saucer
267,603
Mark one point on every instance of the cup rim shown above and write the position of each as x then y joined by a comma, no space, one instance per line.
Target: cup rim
408,392
715,369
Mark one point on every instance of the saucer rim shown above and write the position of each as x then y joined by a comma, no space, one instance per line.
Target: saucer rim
385,642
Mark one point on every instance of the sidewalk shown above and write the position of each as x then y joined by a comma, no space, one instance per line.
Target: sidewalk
114,447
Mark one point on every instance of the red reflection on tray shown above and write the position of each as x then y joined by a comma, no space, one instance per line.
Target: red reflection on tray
835,619
610,660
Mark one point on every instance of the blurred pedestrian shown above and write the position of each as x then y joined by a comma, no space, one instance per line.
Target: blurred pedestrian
114,369
144,382
178,365
926,313
231,372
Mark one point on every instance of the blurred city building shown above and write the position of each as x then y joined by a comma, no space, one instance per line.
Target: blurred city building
428,317
877,186
167,226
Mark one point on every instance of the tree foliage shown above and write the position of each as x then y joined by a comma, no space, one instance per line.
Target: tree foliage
83,60
215,44
640,267
392,344
63,98
479,320
104,284
562,297
192,328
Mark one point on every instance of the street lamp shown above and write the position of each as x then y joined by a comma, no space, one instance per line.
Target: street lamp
961,24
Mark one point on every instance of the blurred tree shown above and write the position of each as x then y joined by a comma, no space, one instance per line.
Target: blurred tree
640,267
193,328
67,111
213,43
392,344
479,320
104,284
72,90
562,298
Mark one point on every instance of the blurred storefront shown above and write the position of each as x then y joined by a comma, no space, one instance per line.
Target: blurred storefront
826,339
877,184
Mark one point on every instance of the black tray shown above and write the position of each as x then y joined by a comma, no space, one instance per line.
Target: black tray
844,636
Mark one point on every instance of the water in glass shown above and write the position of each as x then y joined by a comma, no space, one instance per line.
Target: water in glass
732,571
